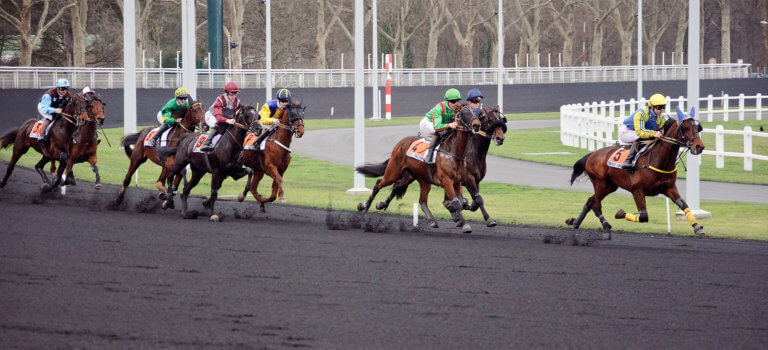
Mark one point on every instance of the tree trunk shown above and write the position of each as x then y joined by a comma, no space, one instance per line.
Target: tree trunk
725,32
596,48
79,17
236,10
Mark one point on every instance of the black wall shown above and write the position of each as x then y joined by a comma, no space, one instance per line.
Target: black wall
21,104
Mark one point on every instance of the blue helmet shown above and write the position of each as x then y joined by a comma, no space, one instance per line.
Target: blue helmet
62,83
474,93
283,94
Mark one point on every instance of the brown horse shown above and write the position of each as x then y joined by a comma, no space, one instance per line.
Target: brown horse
222,162
446,172
86,138
493,126
276,157
189,118
59,145
656,173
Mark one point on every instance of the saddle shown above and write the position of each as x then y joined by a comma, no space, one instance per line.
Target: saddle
418,149
37,131
201,140
618,157
163,138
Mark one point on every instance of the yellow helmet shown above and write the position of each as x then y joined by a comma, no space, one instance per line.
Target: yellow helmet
181,92
657,100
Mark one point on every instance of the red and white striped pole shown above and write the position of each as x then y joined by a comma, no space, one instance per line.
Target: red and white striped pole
388,90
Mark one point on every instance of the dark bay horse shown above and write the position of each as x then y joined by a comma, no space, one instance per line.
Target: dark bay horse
446,172
86,137
276,156
59,145
222,162
656,173
189,118
493,126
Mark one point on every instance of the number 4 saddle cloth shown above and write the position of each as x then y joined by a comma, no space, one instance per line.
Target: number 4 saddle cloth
418,149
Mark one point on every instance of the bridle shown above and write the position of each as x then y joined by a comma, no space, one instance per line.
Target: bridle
501,123
72,118
194,105
465,126
682,140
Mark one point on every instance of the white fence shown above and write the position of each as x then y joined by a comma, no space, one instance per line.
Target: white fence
42,77
595,125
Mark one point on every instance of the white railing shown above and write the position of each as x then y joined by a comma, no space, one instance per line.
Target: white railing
595,125
42,77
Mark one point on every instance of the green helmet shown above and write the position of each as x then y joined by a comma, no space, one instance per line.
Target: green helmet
452,94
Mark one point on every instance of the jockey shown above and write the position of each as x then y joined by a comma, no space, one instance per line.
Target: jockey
439,119
224,109
52,104
180,100
644,123
87,90
269,109
475,99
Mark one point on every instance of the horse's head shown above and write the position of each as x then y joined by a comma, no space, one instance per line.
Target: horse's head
494,123
295,117
75,108
249,116
94,108
192,116
469,118
688,131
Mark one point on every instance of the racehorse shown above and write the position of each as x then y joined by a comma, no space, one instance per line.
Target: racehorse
189,118
276,156
59,145
493,126
86,138
656,172
446,172
221,162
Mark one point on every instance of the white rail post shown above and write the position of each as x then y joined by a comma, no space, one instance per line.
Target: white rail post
741,106
622,104
710,107
748,148
725,107
758,106
719,147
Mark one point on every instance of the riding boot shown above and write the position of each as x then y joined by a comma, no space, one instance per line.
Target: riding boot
629,163
156,136
46,134
435,140
207,145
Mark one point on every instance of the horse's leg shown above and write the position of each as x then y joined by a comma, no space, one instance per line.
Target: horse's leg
216,181
136,161
92,160
477,202
674,195
18,150
253,186
400,186
642,213
241,196
458,205
70,163
56,181
424,188
39,168
160,185
196,176
391,174
277,184
597,206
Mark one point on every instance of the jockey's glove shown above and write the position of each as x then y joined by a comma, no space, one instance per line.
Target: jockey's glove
170,121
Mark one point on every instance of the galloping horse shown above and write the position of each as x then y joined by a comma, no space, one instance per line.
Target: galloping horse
276,156
655,173
86,138
59,145
189,118
446,172
221,162
493,126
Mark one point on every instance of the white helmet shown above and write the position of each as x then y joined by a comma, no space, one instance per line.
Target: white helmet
87,90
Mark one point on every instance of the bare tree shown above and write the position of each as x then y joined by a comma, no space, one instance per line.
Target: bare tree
655,24
624,20
564,13
680,8
601,15
465,34
20,18
400,31
79,19
323,28
725,30
437,10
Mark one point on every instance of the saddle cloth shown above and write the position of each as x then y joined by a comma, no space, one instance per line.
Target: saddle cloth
201,140
37,130
418,149
163,138
250,142
618,157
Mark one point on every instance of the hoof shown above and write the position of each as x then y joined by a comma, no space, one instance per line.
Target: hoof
71,181
466,228
606,236
607,227
262,208
215,218
45,187
97,186
241,197
698,229
490,223
360,206
621,214
570,221
281,200
433,224
162,196
381,206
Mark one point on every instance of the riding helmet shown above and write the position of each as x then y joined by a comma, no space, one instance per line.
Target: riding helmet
283,94
657,100
452,95
231,87
62,83
181,92
474,93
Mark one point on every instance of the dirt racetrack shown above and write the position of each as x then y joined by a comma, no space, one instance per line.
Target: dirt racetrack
76,274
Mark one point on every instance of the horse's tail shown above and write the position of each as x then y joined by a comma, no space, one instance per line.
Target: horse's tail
401,185
372,170
578,167
129,140
8,138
